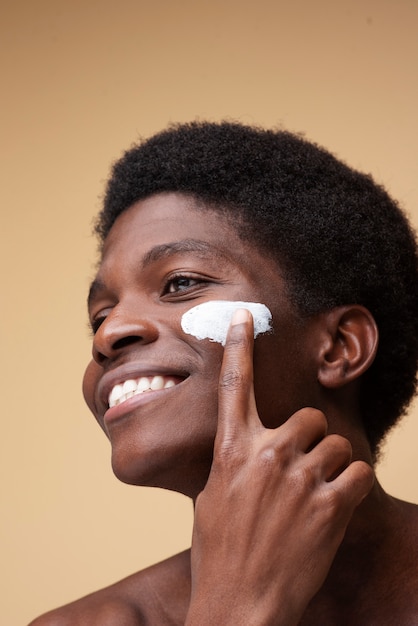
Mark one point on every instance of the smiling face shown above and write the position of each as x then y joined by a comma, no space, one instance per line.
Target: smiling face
152,387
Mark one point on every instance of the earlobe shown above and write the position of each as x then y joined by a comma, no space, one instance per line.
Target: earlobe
349,345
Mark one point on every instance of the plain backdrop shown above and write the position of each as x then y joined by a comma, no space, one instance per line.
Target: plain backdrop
80,81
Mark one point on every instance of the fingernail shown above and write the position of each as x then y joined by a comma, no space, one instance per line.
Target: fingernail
240,316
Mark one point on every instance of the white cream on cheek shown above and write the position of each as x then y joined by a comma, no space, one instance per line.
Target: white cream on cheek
211,320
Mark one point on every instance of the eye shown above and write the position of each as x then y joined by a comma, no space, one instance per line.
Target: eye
183,284
180,283
96,323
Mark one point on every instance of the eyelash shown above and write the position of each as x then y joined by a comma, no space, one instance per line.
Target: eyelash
176,278
96,323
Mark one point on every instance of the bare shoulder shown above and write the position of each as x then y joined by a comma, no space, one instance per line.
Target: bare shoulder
93,610
399,572
405,536
410,513
157,595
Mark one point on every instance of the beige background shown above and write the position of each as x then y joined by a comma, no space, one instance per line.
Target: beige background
80,81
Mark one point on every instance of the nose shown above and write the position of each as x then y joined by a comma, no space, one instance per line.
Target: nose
120,330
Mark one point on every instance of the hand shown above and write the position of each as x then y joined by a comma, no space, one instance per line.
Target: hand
275,507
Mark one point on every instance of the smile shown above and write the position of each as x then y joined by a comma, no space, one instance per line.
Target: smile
134,387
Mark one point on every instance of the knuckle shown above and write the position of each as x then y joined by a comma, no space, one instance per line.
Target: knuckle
304,477
362,479
268,457
274,447
312,416
232,378
340,446
228,456
318,417
364,473
343,444
334,504
276,451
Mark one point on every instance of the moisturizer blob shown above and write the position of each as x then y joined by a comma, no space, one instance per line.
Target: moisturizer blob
211,320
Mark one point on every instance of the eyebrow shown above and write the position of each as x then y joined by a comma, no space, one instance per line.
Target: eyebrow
176,247
157,253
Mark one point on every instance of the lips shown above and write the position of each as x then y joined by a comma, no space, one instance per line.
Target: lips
131,381
136,386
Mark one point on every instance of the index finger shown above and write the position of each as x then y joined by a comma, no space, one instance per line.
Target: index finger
236,400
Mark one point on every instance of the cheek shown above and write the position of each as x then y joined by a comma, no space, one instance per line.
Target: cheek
202,393
90,378
284,379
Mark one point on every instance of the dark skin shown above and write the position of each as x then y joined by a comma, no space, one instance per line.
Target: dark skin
265,436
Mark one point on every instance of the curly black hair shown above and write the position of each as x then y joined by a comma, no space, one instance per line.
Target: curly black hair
337,235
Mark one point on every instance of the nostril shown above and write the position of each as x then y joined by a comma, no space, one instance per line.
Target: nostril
114,336
125,341
100,357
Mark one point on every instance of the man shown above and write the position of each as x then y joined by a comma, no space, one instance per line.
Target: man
274,438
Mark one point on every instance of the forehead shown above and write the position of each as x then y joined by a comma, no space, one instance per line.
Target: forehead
166,215
169,223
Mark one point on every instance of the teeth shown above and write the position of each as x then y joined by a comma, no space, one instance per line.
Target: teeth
157,383
132,387
115,395
128,385
143,384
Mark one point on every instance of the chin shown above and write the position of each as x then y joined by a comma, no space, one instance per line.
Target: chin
167,469
136,468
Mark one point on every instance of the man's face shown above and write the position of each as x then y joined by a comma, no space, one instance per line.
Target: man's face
162,257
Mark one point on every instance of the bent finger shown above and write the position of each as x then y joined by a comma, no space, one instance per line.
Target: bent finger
331,456
354,483
304,429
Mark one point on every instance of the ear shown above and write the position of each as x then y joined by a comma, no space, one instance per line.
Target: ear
349,345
